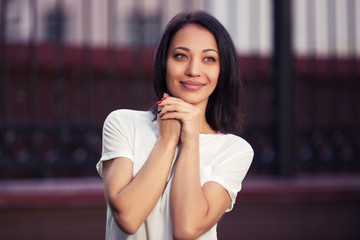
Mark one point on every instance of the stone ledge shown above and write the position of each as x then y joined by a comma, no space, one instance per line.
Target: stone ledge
302,189
88,192
78,192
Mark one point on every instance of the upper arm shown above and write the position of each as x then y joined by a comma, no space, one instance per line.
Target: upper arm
230,171
223,182
218,201
117,139
117,174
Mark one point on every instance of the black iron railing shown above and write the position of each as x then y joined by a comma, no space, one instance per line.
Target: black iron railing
55,96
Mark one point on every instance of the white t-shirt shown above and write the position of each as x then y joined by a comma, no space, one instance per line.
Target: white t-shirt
224,158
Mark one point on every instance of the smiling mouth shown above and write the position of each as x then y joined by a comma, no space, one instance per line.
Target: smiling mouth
191,85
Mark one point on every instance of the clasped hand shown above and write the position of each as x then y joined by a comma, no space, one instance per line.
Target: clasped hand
178,120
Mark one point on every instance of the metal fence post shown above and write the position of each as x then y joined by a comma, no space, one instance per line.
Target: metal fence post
283,69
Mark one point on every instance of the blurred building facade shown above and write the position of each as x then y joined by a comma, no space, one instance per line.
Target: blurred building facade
66,64
99,23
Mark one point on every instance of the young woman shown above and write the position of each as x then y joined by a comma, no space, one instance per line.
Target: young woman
172,172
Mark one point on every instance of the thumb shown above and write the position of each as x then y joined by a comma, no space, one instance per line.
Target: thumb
165,95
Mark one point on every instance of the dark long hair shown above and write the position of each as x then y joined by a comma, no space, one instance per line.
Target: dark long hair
224,108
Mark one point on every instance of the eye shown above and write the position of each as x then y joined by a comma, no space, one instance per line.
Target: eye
179,56
209,59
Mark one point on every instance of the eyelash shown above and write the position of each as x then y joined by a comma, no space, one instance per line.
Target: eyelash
179,56
212,59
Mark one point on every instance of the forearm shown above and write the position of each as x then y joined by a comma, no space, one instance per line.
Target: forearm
188,204
133,203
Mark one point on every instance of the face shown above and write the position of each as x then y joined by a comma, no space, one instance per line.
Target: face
193,66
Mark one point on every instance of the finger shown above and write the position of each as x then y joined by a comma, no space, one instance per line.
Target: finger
172,116
175,101
177,108
159,108
181,116
165,96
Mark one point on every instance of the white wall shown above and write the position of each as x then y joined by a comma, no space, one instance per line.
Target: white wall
248,21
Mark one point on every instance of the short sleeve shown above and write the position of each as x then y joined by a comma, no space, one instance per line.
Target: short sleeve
116,138
231,170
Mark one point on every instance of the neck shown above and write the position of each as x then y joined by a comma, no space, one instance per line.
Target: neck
204,125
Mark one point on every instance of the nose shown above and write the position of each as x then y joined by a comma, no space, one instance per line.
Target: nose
193,69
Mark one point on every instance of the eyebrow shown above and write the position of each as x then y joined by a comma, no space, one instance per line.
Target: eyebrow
188,50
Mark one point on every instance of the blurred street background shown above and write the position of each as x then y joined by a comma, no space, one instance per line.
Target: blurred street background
66,64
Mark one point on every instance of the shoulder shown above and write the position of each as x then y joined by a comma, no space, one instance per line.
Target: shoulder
127,116
236,143
238,148
127,120
228,147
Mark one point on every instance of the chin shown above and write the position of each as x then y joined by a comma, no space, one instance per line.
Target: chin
194,100
192,97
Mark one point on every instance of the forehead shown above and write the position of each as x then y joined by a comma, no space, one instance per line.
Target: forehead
194,37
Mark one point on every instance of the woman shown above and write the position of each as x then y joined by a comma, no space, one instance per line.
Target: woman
171,173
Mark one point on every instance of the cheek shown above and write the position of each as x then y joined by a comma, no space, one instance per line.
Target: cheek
169,71
169,83
173,72
214,76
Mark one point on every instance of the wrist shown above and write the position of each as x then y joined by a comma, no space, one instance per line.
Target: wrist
190,142
168,142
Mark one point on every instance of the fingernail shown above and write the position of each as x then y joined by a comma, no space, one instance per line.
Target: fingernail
159,102
163,98
159,111
160,116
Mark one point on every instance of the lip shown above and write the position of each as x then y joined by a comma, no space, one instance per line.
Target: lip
192,85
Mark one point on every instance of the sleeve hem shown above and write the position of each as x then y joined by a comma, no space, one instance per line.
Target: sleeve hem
231,192
109,156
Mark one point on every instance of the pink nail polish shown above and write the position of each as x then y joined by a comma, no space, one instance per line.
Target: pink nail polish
159,102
